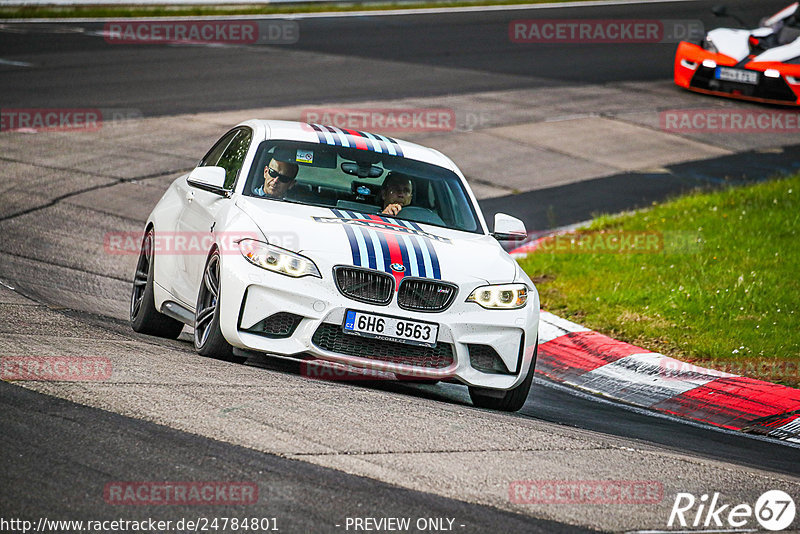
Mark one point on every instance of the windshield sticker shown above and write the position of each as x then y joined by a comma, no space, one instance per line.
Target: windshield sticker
378,242
330,135
304,156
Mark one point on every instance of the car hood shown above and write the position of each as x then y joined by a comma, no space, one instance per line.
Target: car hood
401,248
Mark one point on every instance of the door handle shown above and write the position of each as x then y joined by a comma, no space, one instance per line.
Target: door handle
189,196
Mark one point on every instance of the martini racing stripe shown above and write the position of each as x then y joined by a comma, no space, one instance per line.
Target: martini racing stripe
335,138
354,245
437,273
391,145
377,242
361,244
387,259
377,143
367,252
324,136
421,257
341,134
357,140
404,259
412,225
381,144
411,254
428,247
395,257
427,258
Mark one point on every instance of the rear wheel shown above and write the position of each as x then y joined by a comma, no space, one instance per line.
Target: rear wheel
145,319
208,339
508,401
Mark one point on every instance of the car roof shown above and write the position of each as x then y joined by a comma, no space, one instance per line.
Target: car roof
315,133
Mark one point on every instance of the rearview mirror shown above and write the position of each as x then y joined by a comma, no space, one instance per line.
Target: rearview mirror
508,228
362,170
210,179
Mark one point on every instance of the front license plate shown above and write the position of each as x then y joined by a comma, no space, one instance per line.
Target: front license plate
390,328
736,75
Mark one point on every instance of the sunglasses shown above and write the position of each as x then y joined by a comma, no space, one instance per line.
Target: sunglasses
281,177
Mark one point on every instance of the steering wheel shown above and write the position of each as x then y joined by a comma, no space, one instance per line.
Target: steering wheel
419,214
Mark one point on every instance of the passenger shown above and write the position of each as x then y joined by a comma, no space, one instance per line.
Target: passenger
279,178
396,193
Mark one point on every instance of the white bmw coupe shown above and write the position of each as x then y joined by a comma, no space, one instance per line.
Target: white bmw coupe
352,249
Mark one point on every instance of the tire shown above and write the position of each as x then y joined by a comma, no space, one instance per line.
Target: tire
145,319
510,400
208,339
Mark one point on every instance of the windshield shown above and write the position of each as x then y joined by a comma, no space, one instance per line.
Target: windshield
360,181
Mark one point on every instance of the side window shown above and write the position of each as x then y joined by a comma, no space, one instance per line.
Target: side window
233,156
210,159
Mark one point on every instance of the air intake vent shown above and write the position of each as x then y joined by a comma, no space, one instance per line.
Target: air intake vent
422,294
485,358
364,285
330,337
278,325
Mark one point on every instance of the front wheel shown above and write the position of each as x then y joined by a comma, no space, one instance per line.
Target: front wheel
145,319
506,401
208,339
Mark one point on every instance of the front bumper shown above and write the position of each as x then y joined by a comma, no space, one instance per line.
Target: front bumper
306,314
695,69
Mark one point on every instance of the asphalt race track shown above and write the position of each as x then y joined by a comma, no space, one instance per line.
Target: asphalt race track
355,58
318,452
83,445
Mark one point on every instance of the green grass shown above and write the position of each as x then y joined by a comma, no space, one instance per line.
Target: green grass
723,292
127,11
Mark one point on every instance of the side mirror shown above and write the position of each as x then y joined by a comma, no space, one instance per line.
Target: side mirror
210,179
508,228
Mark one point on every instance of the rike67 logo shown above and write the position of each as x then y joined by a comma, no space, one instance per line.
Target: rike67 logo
774,510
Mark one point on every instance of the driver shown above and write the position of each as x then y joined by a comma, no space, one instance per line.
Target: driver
396,193
279,177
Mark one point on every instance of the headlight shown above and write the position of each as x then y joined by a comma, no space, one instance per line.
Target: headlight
500,297
708,44
277,259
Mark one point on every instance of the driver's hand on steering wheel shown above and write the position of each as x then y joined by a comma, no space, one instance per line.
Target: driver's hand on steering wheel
392,209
